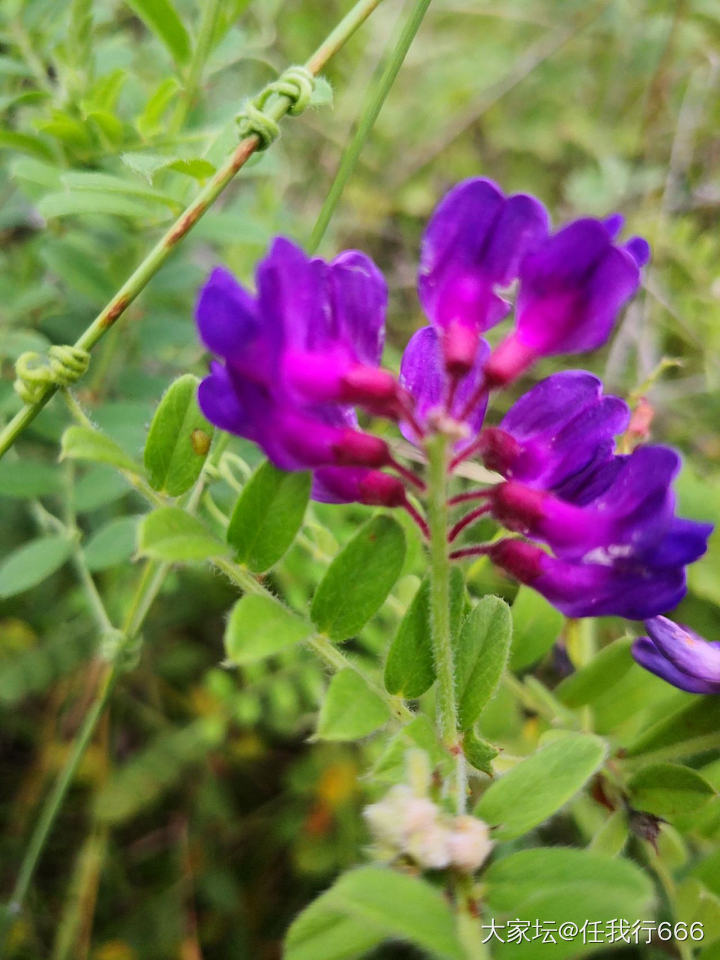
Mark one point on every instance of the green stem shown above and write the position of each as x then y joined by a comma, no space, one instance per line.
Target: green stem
146,591
447,711
52,806
328,652
134,479
277,107
203,45
668,884
376,96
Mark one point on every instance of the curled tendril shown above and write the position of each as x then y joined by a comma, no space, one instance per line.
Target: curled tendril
297,84
60,367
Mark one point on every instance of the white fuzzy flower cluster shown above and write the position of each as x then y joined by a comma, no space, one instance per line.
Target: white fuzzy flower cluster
405,823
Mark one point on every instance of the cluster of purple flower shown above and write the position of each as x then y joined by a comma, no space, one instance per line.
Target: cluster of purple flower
303,352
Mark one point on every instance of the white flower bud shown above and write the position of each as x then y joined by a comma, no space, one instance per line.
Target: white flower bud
469,843
398,815
430,847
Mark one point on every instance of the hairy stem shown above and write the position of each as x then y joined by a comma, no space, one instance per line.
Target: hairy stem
376,96
330,654
277,107
437,449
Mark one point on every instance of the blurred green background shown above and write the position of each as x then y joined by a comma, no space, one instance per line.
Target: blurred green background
203,818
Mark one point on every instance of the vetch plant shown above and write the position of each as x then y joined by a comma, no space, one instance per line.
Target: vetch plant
449,588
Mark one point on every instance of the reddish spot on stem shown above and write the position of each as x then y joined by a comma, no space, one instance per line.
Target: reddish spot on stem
243,152
115,310
186,221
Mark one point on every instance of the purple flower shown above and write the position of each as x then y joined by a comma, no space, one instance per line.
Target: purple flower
619,548
592,589
296,356
679,655
434,393
473,244
631,521
560,428
571,290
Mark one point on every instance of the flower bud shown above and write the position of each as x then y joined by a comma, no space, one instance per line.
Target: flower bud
354,448
469,843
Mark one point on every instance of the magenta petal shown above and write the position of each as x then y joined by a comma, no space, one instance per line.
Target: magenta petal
226,314
572,288
639,250
473,242
423,375
522,224
291,297
562,426
358,295
223,406
685,649
551,404
597,590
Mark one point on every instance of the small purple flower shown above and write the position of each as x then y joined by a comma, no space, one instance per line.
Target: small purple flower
571,289
632,520
592,589
679,655
558,429
472,245
433,391
296,356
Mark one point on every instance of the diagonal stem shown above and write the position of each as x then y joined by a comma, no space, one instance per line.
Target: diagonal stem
276,109
377,94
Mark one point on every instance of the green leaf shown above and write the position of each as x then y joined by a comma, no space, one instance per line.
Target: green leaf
26,143
112,544
539,785
564,885
479,752
25,479
686,731
322,95
359,578
480,656
98,487
669,791
597,677
164,21
150,120
83,443
536,625
260,627
172,535
369,905
178,440
71,203
351,709
267,516
196,167
32,563
518,878
79,180
410,669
